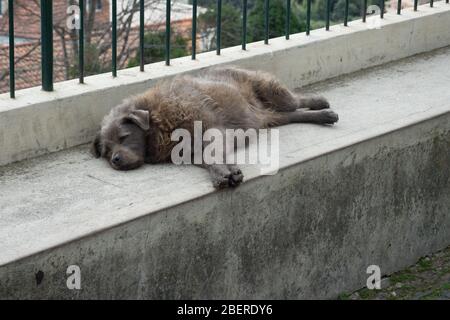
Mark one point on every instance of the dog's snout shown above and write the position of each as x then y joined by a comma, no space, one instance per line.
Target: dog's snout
116,159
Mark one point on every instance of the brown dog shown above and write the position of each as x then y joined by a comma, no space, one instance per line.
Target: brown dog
139,130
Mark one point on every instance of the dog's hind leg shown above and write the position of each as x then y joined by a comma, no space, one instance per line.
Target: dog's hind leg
276,96
313,103
325,116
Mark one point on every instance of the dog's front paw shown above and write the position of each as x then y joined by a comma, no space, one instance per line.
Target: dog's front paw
226,177
236,176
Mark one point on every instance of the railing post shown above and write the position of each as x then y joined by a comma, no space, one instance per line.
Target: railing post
244,25
266,21
114,38
141,33
346,13
12,80
81,42
288,19
399,7
431,3
382,9
364,14
308,17
194,28
47,44
168,32
219,27
416,2
327,15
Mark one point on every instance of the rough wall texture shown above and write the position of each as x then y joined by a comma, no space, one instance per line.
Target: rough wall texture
309,232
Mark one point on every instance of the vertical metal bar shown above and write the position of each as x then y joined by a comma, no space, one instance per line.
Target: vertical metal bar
364,11
382,9
244,25
81,42
416,2
194,28
399,7
266,21
218,26
431,3
288,19
308,17
167,32
114,38
141,34
346,13
327,16
47,44
12,72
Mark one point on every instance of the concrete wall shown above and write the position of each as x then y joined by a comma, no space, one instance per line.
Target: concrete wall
40,122
309,232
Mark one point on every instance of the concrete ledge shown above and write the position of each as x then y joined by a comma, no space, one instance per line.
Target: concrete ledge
38,122
373,189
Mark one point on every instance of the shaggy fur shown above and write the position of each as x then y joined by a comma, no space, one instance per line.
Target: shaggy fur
138,131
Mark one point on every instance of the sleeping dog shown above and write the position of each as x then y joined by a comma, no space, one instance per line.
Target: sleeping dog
139,130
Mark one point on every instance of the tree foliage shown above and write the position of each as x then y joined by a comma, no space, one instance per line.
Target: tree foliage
154,48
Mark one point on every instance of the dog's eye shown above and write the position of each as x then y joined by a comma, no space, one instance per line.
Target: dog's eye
123,137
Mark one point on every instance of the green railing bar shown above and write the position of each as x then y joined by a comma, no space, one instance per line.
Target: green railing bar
114,38
167,32
194,28
12,79
382,9
141,33
81,42
364,13
416,2
218,26
431,3
266,21
346,13
244,25
47,44
399,7
327,16
288,19
308,17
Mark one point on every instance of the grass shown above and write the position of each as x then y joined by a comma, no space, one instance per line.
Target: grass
428,279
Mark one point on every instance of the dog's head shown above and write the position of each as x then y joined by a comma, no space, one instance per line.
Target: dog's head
122,139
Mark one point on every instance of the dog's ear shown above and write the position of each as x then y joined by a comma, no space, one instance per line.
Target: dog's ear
140,118
95,146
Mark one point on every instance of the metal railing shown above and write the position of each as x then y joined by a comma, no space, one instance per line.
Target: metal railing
47,33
